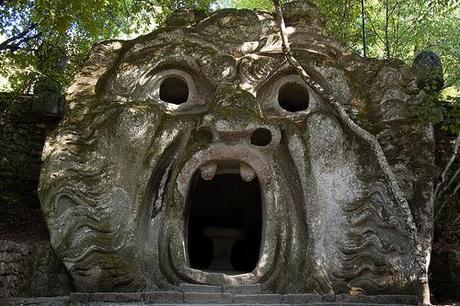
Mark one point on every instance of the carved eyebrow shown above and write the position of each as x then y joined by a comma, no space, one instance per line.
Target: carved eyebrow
275,71
254,70
282,69
173,61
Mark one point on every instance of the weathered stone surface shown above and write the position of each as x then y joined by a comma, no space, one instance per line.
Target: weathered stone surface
257,299
38,301
199,288
27,264
207,298
158,297
301,298
22,136
79,297
146,118
118,297
200,298
379,299
30,268
243,289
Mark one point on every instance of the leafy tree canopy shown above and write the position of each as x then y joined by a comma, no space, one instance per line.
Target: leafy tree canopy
51,38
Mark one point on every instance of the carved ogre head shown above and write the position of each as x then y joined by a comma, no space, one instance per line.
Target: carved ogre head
197,154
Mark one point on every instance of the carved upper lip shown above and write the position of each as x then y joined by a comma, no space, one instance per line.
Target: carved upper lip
210,169
252,163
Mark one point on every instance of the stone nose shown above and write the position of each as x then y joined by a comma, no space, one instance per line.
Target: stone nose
235,118
240,132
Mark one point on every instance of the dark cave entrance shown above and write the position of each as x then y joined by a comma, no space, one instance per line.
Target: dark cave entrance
224,227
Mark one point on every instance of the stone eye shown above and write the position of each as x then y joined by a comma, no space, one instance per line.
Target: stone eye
293,97
174,90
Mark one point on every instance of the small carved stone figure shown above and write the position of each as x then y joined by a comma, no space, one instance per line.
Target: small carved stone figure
204,130
428,69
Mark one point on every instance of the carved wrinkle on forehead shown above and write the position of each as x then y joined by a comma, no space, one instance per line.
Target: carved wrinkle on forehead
254,70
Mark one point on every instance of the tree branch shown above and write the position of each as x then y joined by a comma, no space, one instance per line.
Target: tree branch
445,183
14,43
421,15
371,23
363,28
456,189
387,28
452,180
6,44
445,201
446,169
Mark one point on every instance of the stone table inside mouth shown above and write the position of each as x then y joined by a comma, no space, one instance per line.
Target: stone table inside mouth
223,240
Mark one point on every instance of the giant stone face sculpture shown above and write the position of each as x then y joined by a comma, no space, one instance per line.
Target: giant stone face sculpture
196,154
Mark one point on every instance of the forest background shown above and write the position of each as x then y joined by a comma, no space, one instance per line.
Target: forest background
51,38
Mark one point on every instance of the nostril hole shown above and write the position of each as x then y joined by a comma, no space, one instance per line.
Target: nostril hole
204,135
261,137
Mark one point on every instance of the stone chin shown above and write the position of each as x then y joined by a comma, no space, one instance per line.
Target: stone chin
195,154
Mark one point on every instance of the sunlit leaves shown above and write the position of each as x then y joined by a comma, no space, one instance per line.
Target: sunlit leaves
253,4
394,28
38,34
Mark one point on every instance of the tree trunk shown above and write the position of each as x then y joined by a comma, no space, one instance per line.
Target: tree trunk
363,28
387,30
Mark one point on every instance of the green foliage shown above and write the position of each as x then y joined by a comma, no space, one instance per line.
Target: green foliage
394,28
444,113
47,35
343,21
51,38
451,119
400,29
253,4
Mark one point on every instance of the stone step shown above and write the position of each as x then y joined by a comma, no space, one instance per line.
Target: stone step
243,289
199,288
212,298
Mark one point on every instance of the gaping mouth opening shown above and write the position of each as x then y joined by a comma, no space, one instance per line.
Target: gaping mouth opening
224,228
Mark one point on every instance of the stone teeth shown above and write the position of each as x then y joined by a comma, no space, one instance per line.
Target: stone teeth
246,172
208,171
